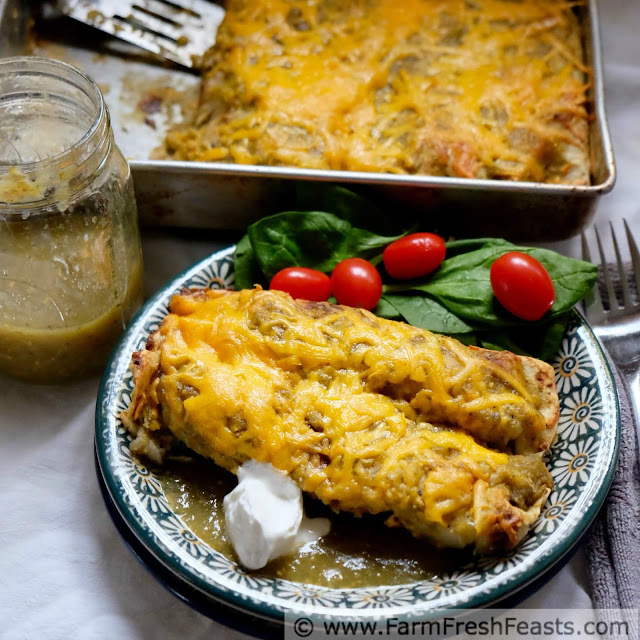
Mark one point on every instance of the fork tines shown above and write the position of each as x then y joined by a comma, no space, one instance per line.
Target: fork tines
616,295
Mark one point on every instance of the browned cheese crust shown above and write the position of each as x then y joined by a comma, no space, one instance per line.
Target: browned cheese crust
474,89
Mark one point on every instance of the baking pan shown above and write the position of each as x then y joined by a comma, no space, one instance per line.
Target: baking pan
228,196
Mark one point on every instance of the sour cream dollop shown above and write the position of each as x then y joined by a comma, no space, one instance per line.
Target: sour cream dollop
264,516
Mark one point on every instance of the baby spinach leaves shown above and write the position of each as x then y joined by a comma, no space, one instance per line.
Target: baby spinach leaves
456,300
462,282
314,238
427,313
246,267
311,239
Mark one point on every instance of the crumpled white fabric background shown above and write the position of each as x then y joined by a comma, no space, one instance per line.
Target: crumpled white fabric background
64,571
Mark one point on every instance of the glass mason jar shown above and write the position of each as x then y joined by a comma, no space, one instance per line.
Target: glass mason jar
70,258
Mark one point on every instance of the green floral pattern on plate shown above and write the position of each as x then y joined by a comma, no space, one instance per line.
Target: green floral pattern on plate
581,462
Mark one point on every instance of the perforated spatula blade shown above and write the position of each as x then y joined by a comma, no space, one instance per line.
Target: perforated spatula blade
179,30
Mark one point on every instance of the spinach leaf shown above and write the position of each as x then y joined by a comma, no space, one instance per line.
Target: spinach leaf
541,341
350,206
386,310
547,341
427,313
456,247
334,223
312,239
465,338
499,341
462,283
572,279
247,272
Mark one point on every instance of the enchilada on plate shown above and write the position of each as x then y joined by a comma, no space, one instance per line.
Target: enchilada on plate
368,415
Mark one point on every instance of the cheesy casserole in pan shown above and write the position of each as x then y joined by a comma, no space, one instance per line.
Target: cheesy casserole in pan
466,88
367,415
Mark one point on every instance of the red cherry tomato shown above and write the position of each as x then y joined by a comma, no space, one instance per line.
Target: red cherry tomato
522,285
414,256
302,283
356,283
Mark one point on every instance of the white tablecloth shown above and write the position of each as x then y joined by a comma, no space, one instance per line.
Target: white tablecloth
64,571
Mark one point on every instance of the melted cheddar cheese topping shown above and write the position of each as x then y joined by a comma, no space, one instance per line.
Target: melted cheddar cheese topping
364,413
467,88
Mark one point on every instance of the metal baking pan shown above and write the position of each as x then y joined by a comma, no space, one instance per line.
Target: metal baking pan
228,196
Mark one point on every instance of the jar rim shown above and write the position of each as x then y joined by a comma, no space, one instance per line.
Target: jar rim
19,63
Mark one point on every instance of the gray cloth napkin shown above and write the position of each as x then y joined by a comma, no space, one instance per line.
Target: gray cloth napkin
613,546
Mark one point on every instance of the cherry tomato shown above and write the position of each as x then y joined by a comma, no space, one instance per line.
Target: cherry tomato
356,283
302,283
522,285
414,256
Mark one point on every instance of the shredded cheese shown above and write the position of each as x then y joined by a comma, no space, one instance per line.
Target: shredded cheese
332,391
468,88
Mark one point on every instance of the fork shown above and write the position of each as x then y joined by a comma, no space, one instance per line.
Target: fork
617,327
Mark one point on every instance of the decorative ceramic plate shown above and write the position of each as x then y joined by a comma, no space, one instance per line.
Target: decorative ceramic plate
581,461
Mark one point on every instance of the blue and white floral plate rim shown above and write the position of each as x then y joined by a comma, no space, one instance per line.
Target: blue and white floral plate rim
581,461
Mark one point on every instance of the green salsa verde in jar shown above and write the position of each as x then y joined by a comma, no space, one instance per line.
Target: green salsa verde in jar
70,257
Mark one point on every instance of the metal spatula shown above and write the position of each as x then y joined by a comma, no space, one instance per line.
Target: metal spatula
178,30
